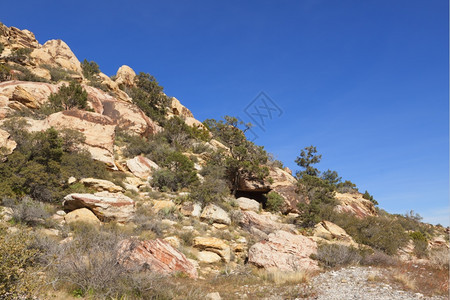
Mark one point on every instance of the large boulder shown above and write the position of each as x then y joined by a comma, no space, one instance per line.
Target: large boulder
214,245
157,255
101,185
57,53
215,214
125,76
286,185
284,251
247,204
83,215
177,109
355,204
141,166
106,206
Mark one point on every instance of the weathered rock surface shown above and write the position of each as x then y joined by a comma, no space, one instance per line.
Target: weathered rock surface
101,185
177,109
266,223
215,214
157,255
162,204
81,215
98,130
191,209
7,145
208,257
56,52
215,245
284,251
332,232
106,206
14,38
355,204
141,166
125,76
247,204
286,185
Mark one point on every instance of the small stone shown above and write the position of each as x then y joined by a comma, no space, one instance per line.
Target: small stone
71,180
213,296
61,213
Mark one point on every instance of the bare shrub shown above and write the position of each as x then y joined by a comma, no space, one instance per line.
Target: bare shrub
333,255
27,211
439,258
378,258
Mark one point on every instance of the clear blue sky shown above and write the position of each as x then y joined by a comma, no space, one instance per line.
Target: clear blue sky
364,81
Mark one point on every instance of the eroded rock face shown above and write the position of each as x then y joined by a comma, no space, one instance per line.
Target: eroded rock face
101,185
106,206
56,52
215,214
286,185
284,251
177,109
332,232
7,145
125,76
267,223
355,204
157,255
215,245
15,38
141,166
98,130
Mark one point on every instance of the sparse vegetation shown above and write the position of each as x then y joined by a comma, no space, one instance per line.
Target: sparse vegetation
333,255
68,97
274,202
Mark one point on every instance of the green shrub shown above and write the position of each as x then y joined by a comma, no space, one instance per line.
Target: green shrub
19,55
369,197
25,74
274,202
420,244
333,255
90,69
27,211
213,189
68,97
58,74
16,259
5,72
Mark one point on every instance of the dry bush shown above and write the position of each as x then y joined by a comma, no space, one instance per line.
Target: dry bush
378,258
281,277
439,258
28,211
333,255
405,280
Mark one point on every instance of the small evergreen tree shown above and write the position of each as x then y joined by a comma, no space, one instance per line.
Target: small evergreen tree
68,97
307,158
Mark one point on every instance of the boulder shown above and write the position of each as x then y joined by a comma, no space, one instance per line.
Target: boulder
106,206
332,232
7,145
213,296
212,244
354,203
23,96
286,185
141,166
215,214
284,251
177,109
162,204
125,76
191,209
101,185
82,215
157,255
267,223
208,257
58,54
247,204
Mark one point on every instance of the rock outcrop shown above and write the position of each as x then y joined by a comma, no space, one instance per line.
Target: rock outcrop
215,245
157,255
355,204
125,76
267,223
333,233
141,166
7,145
106,206
284,251
101,185
248,204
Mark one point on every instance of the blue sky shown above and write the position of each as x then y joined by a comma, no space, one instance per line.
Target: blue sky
366,82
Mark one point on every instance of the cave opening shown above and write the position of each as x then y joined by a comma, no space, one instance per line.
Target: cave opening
259,196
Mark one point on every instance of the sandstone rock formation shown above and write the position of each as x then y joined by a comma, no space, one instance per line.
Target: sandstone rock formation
81,215
141,166
214,245
125,76
284,251
332,232
215,214
191,209
248,204
7,145
355,204
157,255
267,223
106,206
101,185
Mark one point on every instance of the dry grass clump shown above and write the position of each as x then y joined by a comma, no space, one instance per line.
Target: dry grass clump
440,258
378,259
333,255
282,277
405,280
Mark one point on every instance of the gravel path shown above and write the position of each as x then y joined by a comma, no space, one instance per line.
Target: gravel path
352,283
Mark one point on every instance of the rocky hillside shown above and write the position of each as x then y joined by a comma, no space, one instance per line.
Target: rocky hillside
111,189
